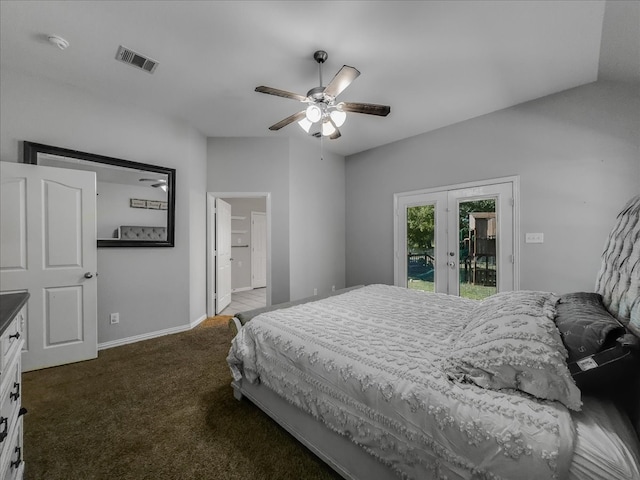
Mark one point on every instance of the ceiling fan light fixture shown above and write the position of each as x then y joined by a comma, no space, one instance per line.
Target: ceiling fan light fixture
328,128
305,124
314,113
338,117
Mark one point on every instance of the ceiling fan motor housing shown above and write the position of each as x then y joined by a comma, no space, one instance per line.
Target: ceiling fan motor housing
320,56
317,95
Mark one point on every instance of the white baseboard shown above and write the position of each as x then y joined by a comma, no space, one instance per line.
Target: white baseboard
198,321
241,289
150,335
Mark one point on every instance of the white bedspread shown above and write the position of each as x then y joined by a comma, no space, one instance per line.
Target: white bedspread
368,364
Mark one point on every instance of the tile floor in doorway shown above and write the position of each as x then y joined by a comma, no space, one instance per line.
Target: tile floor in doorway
246,300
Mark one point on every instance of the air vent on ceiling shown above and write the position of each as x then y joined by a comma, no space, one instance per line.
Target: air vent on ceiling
135,59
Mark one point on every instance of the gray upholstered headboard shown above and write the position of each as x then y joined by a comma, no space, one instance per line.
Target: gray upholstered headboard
619,278
619,284
134,232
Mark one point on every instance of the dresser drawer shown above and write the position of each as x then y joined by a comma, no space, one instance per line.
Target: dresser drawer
10,400
11,461
11,340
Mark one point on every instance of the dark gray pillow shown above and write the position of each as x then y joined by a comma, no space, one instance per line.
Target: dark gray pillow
585,324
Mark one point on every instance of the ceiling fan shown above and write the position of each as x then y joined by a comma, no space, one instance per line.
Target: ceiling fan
156,182
323,111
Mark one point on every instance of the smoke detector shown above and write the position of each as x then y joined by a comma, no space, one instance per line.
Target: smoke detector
134,59
58,41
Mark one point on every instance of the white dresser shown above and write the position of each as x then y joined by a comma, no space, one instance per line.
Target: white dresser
12,325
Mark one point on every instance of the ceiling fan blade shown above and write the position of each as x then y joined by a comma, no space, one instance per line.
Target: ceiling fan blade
290,119
280,93
368,108
342,80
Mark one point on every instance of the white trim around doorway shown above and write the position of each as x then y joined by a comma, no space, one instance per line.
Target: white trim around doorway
211,196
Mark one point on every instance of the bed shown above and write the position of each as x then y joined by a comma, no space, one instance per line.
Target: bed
383,382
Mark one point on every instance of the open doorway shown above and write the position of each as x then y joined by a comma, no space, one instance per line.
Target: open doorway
244,237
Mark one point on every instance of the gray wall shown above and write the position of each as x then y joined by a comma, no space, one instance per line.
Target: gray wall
241,264
317,241
307,206
577,155
152,288
257,165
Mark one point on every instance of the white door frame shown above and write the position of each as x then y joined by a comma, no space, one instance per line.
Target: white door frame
401,198
211,196
254,256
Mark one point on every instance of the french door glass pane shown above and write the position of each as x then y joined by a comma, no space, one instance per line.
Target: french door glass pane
421,264
477,248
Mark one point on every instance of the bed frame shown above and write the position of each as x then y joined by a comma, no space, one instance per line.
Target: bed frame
337,451
617,282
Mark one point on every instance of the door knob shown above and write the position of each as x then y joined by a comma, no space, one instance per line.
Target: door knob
452,264
88,275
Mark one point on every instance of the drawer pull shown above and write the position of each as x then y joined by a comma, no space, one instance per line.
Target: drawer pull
16,463
15,395
4,423
15,335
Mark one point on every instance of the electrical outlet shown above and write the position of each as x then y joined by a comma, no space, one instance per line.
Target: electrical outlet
333,288
534,238
114,318
240,264
315,291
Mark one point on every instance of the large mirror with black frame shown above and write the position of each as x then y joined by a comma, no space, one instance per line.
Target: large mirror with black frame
136,201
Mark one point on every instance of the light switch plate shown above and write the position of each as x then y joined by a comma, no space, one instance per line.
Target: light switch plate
534,237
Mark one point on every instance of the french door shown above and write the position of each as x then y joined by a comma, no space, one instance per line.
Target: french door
457,240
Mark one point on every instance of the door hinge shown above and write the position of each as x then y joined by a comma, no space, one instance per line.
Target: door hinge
512,259
512,202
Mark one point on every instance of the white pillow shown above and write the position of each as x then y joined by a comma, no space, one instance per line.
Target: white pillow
511,341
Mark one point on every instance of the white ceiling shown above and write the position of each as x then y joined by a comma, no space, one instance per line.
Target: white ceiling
434,62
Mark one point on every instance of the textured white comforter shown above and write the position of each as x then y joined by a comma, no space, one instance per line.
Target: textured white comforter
369,364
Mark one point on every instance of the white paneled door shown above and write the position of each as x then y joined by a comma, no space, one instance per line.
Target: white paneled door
258,250
48,248
223,254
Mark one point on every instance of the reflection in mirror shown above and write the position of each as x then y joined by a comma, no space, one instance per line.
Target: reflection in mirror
135,201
